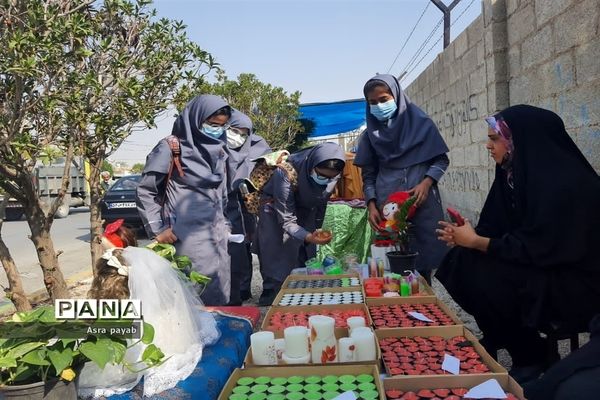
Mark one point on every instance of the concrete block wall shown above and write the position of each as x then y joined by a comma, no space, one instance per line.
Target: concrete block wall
540,52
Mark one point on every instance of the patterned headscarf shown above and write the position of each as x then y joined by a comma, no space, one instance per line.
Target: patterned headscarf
498,124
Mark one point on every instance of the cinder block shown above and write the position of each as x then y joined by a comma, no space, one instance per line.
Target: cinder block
460,45
588,141
477,80
587,58
514,61
457,157
545,10
469,61
512,6
472,155
475,31
537,48
580,107
577,25
521,24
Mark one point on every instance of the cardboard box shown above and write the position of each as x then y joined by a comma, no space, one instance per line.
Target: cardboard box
326,307
446,332
291,278
339,333
275,372
414,384
283,292
425,291
379,301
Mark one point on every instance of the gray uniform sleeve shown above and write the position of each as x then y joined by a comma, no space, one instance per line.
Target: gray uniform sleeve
437,167
285,205
369,177
149,202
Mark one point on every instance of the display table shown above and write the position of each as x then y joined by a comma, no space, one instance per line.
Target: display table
217,363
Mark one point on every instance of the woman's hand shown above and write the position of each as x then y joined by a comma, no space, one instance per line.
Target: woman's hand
374,216
421,190
166,236
464,236
316,238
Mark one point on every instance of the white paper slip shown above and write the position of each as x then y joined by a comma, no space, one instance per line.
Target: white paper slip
346,396
451,364
419,316
490,389
236,238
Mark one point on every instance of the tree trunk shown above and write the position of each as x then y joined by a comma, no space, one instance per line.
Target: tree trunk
96,230
15,292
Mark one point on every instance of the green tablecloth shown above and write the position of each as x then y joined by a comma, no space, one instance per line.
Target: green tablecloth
351,232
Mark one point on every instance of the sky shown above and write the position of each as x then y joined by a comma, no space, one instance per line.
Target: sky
326,49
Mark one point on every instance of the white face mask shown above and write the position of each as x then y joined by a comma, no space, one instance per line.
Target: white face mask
235,139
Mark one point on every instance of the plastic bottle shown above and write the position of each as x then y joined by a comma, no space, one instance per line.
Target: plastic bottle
404,287
372,268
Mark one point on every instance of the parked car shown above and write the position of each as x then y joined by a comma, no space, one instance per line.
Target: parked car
119,201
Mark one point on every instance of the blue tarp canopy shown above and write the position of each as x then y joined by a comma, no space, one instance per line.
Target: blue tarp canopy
334,118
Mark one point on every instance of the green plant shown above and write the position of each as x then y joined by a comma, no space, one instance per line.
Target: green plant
37,347
397,233
182,264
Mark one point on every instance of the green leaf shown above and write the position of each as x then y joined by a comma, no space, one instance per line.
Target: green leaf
99,352
152,355
22,349
60,359
36,357
8,362
148,333
197,277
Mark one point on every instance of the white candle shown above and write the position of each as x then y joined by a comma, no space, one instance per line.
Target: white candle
322,339
296,341
298,360
347,350
364,342
263,348
279,348
355,322
359,329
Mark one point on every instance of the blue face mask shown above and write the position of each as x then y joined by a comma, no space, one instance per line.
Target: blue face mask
383,111
320,180
214,132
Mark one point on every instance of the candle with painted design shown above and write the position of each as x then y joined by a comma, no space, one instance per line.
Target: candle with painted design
296,341
355,322
346,349
364,342
262,345
322,339
279,348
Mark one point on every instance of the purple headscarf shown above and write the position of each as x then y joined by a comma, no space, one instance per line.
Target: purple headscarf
409,138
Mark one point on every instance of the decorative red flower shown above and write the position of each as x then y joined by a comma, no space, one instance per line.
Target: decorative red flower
328,355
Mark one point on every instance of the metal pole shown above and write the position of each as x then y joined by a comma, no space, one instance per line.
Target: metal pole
446,10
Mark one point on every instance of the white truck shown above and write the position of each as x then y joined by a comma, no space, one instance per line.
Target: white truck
48,180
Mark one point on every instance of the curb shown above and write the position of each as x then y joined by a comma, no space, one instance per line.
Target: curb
41,295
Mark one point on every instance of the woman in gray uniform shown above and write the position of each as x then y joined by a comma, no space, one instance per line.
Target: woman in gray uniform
291,212
188,210
402,150
244,146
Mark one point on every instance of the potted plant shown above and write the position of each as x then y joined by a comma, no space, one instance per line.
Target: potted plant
398,210
40,357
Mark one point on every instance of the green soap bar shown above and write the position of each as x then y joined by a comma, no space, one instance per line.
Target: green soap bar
238,396
295,387
276,397
245,381
241,389
280,381
330,395
257,396
294,396
367,386
276,389
365,378
295,379
313,396
312,379
369,395
330,387
347,387
259,388
262,380
330,379
347,378
312,387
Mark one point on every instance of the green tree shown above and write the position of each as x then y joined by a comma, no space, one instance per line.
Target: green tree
273,111
137,168
106,166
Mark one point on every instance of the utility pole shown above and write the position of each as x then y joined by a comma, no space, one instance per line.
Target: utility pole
446,10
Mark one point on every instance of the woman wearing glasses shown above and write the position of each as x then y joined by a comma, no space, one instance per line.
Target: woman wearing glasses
181,200
292,210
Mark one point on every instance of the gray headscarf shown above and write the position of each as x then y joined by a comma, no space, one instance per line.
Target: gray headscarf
239,163
304,162
202,157
407,139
